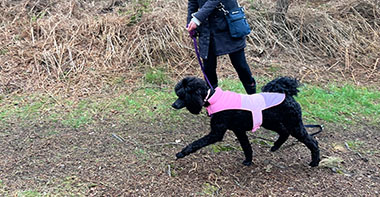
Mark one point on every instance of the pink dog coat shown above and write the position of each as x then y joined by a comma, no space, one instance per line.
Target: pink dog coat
226,100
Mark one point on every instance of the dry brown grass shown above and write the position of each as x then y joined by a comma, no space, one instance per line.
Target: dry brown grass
333,37
70,47
85,47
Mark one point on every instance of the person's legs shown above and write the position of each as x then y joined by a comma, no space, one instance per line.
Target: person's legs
210,67
240,64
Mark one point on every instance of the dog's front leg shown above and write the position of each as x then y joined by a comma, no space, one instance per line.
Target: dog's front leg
246,146
212,137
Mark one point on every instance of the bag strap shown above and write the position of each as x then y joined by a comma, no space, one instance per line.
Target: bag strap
221,7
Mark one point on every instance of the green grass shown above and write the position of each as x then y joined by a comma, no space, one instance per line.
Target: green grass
24,107
71,186
209,189
343,104
216,148
3,51
231,85
81,114
29,194
156,76
354,144
346,104
40,15
136,10
149,104
3,189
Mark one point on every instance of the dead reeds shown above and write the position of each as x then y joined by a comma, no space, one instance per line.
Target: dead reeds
337,36
79,47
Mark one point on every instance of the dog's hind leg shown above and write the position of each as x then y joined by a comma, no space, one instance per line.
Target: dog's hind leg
310,143
281,140
246,146
212,137
283,133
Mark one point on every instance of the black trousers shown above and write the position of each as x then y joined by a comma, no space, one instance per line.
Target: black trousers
240,64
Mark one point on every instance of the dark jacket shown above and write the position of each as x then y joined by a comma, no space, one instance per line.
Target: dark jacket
214,28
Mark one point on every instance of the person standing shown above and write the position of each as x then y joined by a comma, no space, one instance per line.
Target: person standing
205,17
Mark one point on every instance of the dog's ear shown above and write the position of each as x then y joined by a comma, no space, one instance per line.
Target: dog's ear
186,81
199,92
194,102
183,85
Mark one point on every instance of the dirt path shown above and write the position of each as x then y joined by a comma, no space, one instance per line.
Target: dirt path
138,160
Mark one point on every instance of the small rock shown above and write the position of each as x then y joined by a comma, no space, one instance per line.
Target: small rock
340,148
268,168
331,162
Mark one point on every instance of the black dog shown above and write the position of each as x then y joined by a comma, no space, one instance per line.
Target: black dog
285,118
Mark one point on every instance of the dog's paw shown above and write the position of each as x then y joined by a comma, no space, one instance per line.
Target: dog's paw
314,163
247,163
274,148
180,155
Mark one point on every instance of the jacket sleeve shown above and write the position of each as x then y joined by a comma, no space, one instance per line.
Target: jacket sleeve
206,10
192,7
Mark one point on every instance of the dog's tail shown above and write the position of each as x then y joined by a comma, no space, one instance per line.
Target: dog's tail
285,85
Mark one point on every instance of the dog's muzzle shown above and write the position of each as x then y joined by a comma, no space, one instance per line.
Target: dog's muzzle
178,104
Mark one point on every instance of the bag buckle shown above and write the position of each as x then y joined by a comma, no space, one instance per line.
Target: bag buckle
221,7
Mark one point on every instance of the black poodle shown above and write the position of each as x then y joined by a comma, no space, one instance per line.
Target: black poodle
284,118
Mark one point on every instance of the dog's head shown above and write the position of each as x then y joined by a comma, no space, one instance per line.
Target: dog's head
191,92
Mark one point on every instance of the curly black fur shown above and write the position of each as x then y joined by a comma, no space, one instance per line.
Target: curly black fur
285,119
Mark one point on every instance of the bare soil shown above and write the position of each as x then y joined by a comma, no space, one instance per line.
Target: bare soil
137,159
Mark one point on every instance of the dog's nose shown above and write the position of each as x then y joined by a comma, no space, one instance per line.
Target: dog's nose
178,104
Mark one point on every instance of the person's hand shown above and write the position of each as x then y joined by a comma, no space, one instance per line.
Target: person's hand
192,26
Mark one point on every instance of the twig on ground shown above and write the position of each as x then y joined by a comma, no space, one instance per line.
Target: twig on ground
118,137
169,171
165,144
194,168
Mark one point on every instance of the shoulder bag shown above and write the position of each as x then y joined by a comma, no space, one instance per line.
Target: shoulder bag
236,20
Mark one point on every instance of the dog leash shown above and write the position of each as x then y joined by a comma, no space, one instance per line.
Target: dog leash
307,126
315,126
192,35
